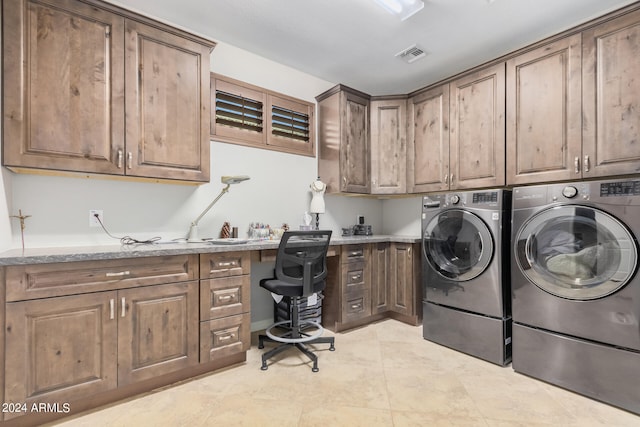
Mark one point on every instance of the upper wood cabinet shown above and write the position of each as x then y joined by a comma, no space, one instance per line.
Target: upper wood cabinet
574,106
167,105
343,159
544,113
456,134
389,146
89,88
611,97
428,141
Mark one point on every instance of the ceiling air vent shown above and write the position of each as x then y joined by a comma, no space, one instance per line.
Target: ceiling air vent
411,54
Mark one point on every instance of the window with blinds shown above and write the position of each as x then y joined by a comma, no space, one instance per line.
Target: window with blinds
289,123
249,115
238,111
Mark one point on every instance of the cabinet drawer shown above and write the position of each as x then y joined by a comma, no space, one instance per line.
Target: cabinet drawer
356,305
25,282
354,277
224,264
224,337
352,253
224,297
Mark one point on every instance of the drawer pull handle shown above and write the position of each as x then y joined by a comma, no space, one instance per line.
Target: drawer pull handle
112,308
576,164
356,277
119,274
124,307
119,161
224,297
354,306
227,264
355,253
227,337
129,159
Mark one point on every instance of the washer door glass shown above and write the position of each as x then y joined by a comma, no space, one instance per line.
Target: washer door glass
457,244
576,252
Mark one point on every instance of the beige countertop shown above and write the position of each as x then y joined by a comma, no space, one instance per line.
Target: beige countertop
92,253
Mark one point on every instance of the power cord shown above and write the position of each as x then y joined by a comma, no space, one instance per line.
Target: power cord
126,240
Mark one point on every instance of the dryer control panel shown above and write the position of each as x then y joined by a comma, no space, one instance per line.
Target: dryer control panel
620,188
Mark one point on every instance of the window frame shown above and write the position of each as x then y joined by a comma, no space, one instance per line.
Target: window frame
266,138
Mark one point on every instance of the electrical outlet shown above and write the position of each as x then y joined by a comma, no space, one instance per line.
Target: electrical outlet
93,221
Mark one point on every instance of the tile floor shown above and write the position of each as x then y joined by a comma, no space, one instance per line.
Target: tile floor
384,374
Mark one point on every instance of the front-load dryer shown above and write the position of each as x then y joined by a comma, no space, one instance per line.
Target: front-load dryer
465,272
575,287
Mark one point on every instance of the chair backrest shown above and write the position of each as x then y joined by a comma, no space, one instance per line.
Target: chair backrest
302,258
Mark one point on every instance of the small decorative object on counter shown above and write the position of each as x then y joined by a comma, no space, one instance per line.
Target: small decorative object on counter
225,232
285,226
259,231
22,225
234,232
317,199
306,221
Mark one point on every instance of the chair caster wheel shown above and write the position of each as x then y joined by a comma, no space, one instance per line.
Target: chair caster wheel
260,346
332,348
314,369
264,367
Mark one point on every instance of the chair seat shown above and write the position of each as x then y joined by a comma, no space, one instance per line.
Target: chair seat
287,289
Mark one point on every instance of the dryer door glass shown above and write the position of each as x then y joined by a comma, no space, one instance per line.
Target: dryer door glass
457,244
576,252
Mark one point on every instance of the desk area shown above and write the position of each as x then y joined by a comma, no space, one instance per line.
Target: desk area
116,321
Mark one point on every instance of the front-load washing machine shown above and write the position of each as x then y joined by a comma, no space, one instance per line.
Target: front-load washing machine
575,287
466,271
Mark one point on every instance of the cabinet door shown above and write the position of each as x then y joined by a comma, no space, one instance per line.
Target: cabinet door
354,150
158,329
477,129
379,271
544,113
611,97
167,101
401,278
60,349
388,147
63,86
428,141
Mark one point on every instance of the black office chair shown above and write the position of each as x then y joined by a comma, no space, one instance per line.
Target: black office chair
301,269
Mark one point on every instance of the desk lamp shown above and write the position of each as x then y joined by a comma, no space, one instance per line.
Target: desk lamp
193,230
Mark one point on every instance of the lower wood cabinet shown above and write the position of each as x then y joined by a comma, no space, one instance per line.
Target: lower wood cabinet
66,348
368,282
60,349
404,279
225,304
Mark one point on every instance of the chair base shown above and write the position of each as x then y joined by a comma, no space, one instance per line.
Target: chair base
294,337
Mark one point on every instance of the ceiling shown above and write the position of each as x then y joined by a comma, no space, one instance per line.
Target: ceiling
354,42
